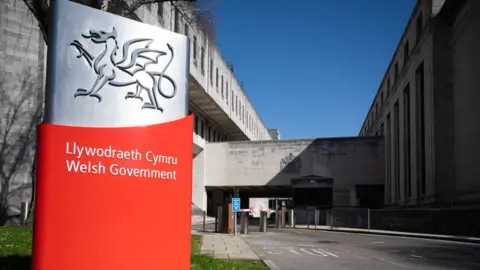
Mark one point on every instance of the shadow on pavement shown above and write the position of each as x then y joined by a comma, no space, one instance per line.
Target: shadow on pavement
441,255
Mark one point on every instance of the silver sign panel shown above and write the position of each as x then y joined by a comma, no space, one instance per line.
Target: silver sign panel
108,71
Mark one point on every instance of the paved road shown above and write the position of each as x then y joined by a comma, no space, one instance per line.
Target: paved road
297,249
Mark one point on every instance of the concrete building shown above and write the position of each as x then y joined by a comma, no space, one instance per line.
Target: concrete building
221,107
322,172
426,107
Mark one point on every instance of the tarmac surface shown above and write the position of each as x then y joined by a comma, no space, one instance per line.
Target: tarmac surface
302,249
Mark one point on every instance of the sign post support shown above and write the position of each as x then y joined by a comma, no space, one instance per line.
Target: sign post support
116,135
235,210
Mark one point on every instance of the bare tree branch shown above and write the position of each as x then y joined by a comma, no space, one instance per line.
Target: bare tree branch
20,113
194,12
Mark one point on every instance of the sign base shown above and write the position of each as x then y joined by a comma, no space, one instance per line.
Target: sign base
114,198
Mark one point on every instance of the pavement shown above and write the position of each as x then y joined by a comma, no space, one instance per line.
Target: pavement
302,249
229,247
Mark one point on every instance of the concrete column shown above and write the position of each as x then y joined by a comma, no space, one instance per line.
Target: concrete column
263,221
244,222
279,218
292,218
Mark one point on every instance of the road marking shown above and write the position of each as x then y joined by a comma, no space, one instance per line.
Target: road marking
308,252
296,252
416,256
319,252
331,254
378,242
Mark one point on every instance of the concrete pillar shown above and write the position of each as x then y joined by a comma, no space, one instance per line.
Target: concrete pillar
278,219
292,218
263,221
244,222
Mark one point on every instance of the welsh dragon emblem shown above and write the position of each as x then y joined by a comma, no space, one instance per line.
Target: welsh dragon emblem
135,58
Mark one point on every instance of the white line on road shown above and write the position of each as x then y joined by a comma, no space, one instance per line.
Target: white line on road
321,253
296,252
329,253
416,256
308,252
377,242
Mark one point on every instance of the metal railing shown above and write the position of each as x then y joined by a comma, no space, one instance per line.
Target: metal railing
445,221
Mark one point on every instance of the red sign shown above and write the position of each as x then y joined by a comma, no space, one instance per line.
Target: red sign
114,198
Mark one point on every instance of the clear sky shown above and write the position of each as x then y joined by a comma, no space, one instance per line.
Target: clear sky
311,68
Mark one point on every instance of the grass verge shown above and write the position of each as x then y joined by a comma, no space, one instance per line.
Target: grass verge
16,249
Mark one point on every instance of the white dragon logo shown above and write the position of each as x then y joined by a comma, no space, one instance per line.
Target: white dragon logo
108,62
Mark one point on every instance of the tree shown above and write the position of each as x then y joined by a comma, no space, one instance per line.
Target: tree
197,13
20,113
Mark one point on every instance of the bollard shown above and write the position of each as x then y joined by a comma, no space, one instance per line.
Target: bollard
368,217
244,222
23,213
278,218
204,220
294,220
263,221
291,218
316,218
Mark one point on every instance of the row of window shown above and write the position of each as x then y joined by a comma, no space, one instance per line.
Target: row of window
381,98
205,130
398,139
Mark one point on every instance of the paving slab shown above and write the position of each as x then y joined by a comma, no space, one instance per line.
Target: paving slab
230,247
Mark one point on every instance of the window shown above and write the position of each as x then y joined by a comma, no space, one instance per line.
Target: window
195,50
233,104
216,78
226,91
406,141
211,72
222,87
396,145
396,72
240,110
202,135
202,61
209,130
186,30
177,21
388,160
419,27
214,137
388,87
236,105
381,98
406,51
420,106
196,124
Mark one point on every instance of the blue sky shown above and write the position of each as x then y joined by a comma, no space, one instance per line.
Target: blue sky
311,67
